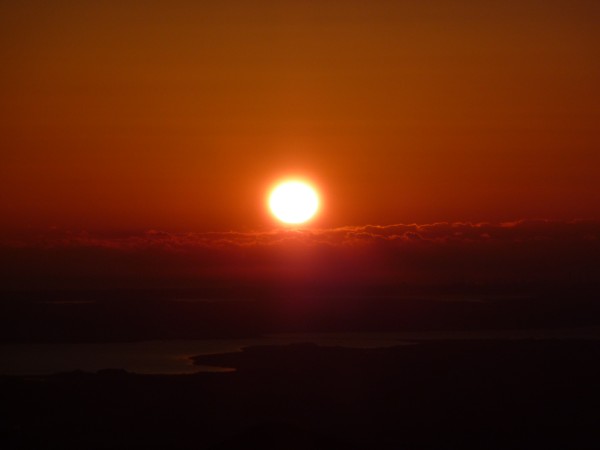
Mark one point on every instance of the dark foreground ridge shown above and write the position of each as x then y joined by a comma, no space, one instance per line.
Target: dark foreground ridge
431,395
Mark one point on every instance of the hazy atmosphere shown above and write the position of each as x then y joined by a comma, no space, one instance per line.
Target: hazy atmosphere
299,224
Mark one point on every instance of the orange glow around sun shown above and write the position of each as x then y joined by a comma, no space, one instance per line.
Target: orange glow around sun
293,202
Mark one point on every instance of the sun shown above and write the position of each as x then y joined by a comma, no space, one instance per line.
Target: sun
294,202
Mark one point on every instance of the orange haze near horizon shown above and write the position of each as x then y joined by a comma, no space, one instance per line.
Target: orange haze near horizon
181,116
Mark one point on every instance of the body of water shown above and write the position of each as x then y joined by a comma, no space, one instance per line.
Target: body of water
174,357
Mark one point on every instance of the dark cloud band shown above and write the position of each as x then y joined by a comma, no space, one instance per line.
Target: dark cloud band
531,251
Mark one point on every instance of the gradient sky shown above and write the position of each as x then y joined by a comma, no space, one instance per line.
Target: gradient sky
137,115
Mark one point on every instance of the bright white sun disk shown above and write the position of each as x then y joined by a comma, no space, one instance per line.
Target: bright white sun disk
293,202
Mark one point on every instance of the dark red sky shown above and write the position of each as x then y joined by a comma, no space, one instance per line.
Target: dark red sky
178,116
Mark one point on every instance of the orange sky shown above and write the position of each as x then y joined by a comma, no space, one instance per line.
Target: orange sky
179,116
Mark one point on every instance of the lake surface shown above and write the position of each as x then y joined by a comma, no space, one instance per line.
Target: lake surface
174,357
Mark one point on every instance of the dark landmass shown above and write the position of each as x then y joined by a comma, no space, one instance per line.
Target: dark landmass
431,395
247,311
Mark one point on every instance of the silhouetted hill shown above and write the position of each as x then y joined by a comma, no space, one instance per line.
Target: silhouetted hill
281,435
431,395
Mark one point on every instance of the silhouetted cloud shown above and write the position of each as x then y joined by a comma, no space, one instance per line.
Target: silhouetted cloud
527,251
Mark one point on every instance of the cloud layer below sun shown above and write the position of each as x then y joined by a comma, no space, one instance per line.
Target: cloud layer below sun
521,252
